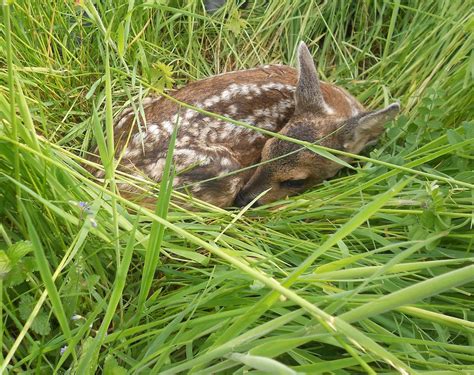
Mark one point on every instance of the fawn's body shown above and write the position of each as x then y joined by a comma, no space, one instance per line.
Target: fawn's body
207,147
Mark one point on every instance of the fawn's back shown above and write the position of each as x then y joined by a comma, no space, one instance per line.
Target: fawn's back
208,149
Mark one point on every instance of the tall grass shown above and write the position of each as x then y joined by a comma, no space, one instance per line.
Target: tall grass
370,272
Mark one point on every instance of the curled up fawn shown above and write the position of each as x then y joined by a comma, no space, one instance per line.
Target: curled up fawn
273,97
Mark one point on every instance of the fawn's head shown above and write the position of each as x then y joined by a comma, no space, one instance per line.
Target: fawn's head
313,121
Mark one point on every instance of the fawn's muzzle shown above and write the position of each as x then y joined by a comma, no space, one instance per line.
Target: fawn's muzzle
242,200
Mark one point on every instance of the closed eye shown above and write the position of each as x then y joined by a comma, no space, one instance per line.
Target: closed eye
293,183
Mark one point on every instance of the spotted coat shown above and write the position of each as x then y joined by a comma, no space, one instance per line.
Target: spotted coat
207,149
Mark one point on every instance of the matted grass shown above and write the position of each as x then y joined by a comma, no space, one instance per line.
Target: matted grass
370,272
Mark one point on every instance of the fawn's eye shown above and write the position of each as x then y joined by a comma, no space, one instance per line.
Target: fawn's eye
293,183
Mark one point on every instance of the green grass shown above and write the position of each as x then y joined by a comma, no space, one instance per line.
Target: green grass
371,272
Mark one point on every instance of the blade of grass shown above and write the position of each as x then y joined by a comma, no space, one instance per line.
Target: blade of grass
11,91
48,280
364,214
158,229
408,295
87,363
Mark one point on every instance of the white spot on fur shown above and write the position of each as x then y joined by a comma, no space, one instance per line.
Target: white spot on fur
262,112
225,95
194,131
167,126
123,120
213,137
196,188
151,128
226,162
125,112
275,112
244,90
184,141
255,89
250,120
186,157
273,86
186,153
149,100
156,169
211,101
139,138
189,114
205,132
130,112
154,130
176,181
132,153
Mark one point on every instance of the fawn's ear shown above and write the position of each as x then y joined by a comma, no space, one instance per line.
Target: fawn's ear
365,129
308,96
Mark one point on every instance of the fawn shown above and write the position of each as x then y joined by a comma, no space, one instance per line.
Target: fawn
273,97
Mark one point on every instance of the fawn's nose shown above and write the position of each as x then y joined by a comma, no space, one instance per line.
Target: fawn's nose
242,200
